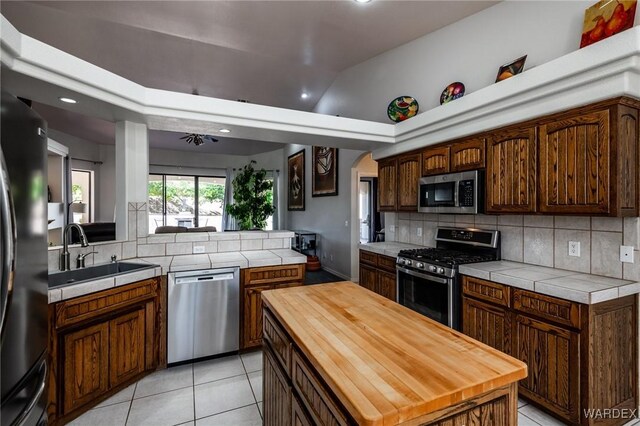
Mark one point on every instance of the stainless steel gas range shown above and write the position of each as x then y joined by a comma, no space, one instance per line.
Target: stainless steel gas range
428,279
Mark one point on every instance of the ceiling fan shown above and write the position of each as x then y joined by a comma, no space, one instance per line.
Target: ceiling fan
198,139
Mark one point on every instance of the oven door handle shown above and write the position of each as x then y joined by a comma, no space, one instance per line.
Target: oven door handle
425,276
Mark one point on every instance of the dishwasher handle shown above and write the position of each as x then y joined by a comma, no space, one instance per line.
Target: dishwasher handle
194,279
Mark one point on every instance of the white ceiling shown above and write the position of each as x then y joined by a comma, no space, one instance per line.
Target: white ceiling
103,132
265,51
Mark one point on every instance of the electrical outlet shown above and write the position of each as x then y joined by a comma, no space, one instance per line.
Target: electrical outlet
419,232
626,254
346,223
331,257
574,248
198,249
392,229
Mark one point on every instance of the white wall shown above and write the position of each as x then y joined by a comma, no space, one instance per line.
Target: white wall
326,215
470,51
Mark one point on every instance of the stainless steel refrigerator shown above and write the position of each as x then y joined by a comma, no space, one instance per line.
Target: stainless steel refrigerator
23,266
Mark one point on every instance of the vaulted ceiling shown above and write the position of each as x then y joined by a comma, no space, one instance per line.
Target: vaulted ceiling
267,52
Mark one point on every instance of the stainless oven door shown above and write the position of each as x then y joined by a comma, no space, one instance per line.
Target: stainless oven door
429,295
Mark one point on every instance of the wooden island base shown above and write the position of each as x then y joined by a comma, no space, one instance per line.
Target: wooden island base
336,354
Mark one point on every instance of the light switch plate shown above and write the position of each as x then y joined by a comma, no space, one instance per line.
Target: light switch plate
198,249
392,229
574,248
626,254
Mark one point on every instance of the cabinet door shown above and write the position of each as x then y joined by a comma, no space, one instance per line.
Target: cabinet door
489,324
276,392
299,415
368,277
468,155
408,176
435,161
387,185
574,164
86,365
511,171
386,285
126,347
252,315
551,354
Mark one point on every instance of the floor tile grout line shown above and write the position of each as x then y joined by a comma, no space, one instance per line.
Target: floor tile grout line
126,420
227,411
529,418
217,380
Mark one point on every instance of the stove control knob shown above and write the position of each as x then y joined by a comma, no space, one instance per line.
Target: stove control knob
420,265
407,262
441,270
432,268
400,261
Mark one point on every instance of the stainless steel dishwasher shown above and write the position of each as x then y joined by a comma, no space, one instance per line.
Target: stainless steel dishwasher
203,316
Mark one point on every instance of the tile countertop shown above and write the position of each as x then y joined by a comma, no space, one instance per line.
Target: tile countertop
569,285
241,259
387,248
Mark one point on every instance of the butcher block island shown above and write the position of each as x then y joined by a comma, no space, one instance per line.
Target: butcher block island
339,354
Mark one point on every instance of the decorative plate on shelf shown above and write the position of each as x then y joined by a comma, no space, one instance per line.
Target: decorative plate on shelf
402,108
451,92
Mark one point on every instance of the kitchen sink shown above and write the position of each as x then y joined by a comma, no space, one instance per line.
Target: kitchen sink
60,279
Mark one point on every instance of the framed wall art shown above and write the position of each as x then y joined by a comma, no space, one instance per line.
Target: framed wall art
606,18
512,68
324,176
295,184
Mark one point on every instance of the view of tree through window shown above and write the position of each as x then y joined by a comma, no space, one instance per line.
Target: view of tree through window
185,201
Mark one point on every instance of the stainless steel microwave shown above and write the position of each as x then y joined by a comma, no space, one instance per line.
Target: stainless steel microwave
457,193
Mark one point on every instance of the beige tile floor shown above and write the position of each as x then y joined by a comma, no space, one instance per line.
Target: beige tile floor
225,391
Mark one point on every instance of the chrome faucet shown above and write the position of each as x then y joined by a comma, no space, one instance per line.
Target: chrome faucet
65,256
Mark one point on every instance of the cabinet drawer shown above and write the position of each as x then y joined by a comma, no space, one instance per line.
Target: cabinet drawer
273,274
557,310
91,306
487,290
313,395
368,257
278,340
387,263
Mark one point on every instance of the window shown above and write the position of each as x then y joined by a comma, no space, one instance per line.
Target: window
82,195
190,201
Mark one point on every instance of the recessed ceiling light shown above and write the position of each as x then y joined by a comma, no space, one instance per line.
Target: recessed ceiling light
363,1
225,131
68,100
304,95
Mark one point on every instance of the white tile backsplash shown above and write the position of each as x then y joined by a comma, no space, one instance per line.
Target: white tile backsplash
539,239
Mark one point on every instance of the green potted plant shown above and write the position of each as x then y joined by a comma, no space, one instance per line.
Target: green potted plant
253,198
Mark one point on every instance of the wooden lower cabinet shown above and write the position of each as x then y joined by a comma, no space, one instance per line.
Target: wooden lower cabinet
551,353
277,392
86,365
486,323
578,356
100,343
253,282
378,274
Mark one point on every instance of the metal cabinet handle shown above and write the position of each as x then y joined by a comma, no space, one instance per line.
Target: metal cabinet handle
8,235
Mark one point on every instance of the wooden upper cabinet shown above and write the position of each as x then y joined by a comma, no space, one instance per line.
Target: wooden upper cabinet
408,176
511,171
436,160
575,159
387,185
468,155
